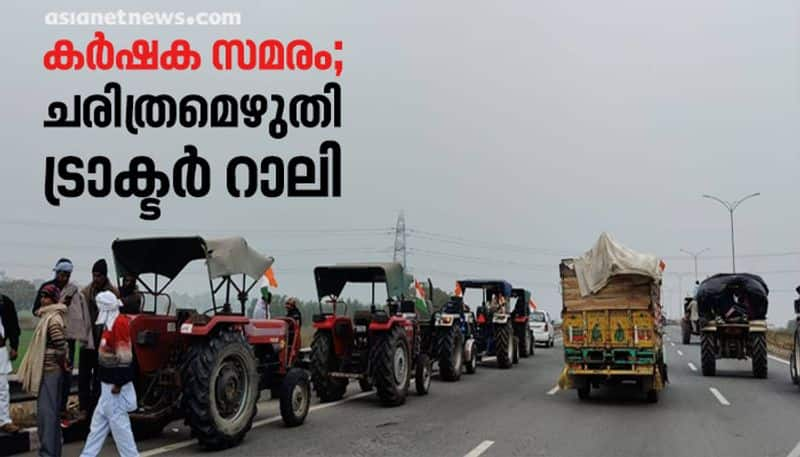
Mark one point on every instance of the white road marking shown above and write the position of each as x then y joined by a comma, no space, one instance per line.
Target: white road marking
778,359
680,353
672,344
553,391
795,452
692,367
184,444
479,449
724,401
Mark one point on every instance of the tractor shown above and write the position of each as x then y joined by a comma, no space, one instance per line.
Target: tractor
521,315
208,367
381,347
494,331
454,340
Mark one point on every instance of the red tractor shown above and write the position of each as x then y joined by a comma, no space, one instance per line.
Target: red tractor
379,347
208,366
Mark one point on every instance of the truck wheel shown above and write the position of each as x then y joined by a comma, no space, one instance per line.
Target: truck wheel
390,365
686,332
524,343
794,359
515,355
295,397
422,376
450,344
708,355
503,346
758,354
323,360
472,364
221,390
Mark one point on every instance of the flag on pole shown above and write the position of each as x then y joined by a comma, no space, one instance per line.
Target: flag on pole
662,265
270,275
458,290
420,289
532,304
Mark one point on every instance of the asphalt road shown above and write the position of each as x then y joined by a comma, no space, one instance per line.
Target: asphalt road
518,412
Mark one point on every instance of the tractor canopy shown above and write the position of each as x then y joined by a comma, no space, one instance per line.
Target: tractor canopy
744,292
491,286
168,256
332,279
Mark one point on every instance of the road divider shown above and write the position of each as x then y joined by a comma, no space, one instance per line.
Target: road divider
692,367
720,398
479,449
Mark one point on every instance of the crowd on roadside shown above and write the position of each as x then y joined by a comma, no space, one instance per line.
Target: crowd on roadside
92,323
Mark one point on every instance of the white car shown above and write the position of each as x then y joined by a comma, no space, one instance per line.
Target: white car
542,326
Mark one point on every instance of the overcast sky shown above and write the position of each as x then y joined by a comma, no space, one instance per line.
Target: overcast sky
511,135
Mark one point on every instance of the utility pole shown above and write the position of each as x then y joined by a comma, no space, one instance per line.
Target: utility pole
695,255
731,207
400,240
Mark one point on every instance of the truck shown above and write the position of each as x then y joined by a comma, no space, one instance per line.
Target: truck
733,312
612,320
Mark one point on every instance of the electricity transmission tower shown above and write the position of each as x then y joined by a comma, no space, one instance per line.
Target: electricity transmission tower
400,240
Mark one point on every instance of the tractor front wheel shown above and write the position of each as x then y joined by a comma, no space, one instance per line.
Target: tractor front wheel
323,360
221,390
525,343
758,354
422,376
295,397
450,346
504,345
472,364
391,366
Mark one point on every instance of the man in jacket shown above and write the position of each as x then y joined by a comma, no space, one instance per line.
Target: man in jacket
9,344
132,299
63,271
88,382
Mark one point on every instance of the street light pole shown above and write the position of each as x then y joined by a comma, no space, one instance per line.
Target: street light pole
731,207
695,255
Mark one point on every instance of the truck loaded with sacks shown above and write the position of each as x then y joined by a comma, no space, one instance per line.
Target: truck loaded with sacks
611,320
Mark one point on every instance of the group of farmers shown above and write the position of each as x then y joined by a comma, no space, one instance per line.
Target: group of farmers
93,319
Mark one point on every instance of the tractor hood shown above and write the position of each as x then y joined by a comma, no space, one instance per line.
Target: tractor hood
168,256
332,279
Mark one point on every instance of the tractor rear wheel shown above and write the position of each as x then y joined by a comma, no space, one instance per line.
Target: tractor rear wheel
504,345
525,343
422,375
295,397
708,355
391,366
221,390
758,354
323,360
450,346
793,360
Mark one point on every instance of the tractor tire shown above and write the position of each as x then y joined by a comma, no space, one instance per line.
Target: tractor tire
450,346
365,384
422,375
793,360
295,397
758,354
322,359
389,361
472,364
223,364
525,344
532,348
515,355
686,332
504,346
708,355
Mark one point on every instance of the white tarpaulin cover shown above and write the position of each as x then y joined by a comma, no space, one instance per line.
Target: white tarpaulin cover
608,258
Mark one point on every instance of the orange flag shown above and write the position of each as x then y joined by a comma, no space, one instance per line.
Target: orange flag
532,304
662,265
420,289
458,290
270,275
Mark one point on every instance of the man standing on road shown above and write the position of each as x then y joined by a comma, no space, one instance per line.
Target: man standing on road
9,344
63,271
88,382
117,397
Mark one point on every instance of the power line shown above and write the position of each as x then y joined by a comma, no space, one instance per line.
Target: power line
450,239
535,267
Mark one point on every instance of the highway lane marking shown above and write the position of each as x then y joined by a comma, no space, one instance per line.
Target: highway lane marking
680,353
184,444
692,367
777,359
553,391
795,452
672,344
479,449
721,398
